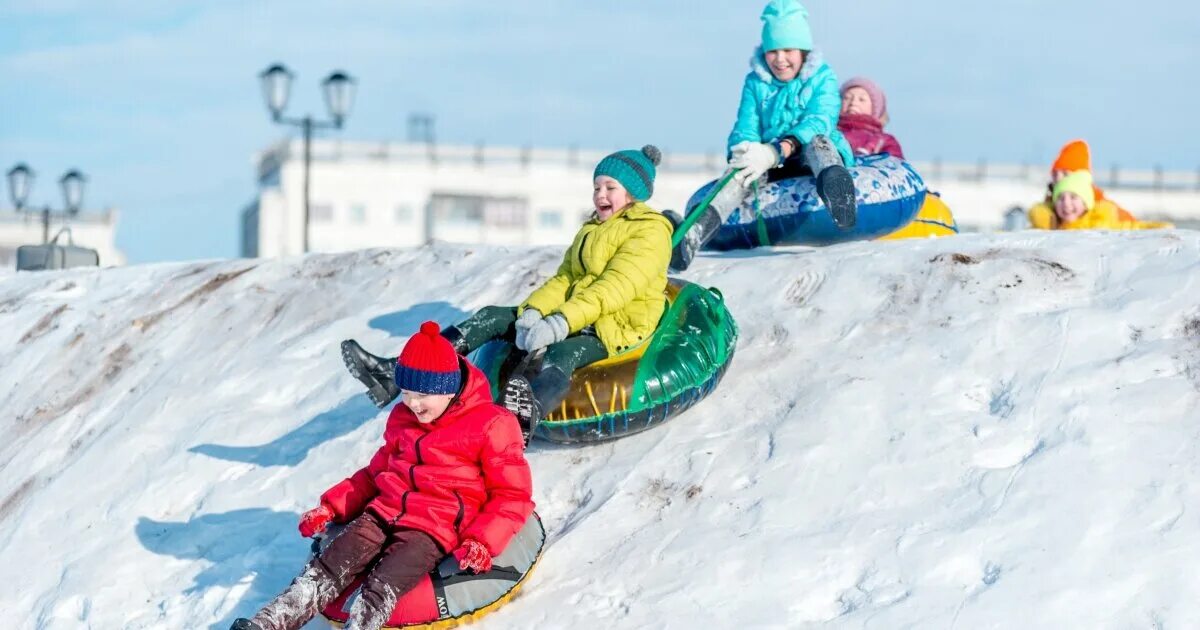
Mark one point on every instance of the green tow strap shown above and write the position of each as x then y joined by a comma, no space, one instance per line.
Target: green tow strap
694,215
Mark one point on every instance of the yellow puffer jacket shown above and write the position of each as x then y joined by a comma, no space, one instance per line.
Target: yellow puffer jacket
613,277
1104,216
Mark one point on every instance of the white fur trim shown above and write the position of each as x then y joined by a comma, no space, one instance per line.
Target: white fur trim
813,60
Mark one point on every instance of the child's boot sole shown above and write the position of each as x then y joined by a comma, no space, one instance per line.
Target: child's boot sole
518,399
835,186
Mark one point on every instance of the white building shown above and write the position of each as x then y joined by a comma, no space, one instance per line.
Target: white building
403,194
95,230
391,194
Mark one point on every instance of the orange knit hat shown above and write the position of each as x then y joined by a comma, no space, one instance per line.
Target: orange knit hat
1075,156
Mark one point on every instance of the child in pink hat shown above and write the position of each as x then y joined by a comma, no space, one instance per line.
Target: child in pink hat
864,113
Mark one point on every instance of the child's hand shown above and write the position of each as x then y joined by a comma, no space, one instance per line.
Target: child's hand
755,159
471,554
528,318
315,521
544,332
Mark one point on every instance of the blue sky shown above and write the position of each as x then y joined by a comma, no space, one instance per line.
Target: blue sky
158,102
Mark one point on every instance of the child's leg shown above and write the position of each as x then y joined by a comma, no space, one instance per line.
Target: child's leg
326,576
410,555
835,185
378,373
561,360
820,154
531,399
718,211
488,323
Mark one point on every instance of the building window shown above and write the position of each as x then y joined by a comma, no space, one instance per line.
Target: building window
358,213
404,213
550,219
320,213
499,212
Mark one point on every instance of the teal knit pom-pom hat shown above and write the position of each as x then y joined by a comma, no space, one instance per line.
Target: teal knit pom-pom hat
634,169
785,25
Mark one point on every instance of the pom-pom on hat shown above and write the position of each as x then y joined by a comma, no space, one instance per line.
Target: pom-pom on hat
428,363
634,169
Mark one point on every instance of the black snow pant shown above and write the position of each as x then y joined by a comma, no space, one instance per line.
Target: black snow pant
552,381
401,557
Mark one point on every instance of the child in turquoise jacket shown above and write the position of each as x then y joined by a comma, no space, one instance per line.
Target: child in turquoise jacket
788,117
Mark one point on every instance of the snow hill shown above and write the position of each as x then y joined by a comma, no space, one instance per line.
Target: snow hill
976,432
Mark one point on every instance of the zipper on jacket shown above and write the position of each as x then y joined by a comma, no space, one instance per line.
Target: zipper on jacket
403,507
583,244
417,448
461,509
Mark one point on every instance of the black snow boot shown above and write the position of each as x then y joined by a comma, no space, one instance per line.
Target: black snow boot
835,186
244,624
377,373
700,233
518,398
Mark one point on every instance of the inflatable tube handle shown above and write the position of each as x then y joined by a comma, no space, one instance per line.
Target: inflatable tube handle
694,215
717,294
448,567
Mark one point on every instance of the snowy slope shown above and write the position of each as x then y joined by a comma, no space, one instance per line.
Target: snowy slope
980,432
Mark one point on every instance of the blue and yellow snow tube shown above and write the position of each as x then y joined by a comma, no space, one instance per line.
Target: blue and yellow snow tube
934,220
643,387
789,212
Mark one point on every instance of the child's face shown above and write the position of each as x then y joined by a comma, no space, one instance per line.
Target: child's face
426,407
1069,207
785,63
856,101
609,197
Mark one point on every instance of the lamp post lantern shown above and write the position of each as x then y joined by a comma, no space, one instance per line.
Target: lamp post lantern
72,189
20,184
338,89
20,180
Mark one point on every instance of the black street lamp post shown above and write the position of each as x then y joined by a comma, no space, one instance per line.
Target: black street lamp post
20,183
338,88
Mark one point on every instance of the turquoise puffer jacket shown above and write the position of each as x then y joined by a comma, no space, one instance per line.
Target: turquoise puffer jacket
804,107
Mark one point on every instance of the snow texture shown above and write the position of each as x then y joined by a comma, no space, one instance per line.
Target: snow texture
975,432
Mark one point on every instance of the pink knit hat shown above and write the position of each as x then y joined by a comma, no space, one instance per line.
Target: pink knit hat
878,100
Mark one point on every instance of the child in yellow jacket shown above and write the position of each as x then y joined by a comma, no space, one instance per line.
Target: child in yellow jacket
606,297
1076,208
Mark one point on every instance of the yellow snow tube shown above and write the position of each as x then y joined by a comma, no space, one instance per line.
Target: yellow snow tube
933,220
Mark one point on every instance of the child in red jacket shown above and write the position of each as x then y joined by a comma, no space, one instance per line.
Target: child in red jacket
864,114
450,476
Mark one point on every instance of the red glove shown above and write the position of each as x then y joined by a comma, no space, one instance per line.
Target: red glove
314,521
471,554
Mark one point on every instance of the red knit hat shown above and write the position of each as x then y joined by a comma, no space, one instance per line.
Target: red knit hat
428,363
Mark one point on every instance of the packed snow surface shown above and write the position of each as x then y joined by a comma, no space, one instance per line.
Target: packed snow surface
974,432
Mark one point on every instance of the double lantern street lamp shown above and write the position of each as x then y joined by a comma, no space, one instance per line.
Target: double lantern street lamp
20,183
338,88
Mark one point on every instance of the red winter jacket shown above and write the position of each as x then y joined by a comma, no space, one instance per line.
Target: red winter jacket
461,476
866,136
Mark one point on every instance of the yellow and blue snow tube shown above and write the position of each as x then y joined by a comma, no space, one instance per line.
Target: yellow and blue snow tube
934,220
